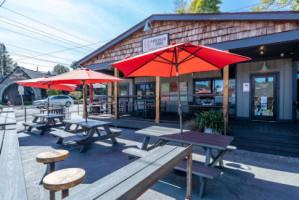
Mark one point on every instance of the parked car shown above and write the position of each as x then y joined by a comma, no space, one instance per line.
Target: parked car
57,100
98,98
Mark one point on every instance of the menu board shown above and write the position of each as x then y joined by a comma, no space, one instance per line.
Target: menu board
165,91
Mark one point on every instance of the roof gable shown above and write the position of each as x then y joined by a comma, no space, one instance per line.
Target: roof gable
248,16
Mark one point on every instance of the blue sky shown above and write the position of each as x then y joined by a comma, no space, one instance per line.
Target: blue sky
94,21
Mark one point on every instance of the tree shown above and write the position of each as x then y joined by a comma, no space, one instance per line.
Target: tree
197,6
6,63
73,65
269,5
59,69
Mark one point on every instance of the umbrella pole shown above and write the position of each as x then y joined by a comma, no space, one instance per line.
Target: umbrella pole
48,100
84,99
180,111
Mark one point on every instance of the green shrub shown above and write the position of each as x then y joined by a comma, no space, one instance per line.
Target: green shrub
211,119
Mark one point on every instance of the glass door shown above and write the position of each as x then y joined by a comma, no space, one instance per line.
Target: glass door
264,97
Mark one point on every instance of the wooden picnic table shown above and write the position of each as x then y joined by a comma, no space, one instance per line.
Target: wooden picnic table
205,140
44,121
90,127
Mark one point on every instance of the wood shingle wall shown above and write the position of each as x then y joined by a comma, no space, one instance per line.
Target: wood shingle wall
196,32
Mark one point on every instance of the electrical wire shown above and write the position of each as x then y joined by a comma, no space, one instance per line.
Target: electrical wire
44,33
17,47
45,24
41,59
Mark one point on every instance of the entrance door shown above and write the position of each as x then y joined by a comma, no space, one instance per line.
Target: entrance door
264,97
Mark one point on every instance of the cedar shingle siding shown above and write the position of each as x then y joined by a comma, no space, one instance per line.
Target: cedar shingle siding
196,32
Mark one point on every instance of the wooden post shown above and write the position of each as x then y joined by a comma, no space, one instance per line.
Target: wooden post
111,99
116,84
25,114
189,177
225,95
84,99
158,98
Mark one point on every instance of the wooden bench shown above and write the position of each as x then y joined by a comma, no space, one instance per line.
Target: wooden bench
12,183
198,169
81,140
7,118
134,179
7,110
37,125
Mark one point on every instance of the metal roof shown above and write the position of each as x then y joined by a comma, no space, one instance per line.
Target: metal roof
279,15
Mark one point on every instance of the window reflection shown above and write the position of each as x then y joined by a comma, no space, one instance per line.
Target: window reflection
145,89
211,92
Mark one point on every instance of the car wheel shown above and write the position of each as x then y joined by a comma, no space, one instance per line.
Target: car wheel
68,104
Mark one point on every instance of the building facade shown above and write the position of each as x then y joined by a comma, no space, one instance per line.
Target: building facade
9,89
265,88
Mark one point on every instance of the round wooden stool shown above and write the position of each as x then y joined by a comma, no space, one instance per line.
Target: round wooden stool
50,157
63,180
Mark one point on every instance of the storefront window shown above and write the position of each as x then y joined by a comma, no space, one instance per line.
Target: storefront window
145,89
211,92
123,89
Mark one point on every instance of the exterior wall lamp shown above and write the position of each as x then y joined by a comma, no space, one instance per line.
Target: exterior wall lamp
147,26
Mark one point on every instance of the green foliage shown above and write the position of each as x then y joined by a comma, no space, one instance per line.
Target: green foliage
6,63
269,5
77,94
60,69
55,92
197,6
27,103
211,119
73,65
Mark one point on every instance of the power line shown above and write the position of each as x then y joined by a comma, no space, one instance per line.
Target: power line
245,7
17,47
29,57
37,38
44,32
45,24
37,65
54,52
2,3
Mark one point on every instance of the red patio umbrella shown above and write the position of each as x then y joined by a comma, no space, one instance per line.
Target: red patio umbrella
37,82
177,59
204,92
81,76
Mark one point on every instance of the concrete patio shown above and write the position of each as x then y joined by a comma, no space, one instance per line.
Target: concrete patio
247,175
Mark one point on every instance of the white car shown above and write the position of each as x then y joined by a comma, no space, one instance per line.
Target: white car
59,100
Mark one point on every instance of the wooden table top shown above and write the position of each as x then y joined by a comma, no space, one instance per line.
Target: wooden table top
48,116
64,179
91,123
208,140
157,131
52,156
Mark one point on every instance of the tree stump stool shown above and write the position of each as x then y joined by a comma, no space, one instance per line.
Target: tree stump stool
50,157
63,180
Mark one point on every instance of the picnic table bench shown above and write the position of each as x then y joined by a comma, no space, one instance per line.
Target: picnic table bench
209,142
43,122
12,183
83,134
7,118
134,179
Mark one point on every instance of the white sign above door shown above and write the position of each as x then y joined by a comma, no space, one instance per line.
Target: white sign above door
155,42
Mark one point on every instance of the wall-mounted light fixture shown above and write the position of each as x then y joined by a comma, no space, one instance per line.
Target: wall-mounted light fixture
262,48
264,67
147,26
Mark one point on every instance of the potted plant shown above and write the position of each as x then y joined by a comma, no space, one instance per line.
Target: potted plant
211,122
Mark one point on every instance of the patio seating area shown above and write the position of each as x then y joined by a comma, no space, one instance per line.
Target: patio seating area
245,174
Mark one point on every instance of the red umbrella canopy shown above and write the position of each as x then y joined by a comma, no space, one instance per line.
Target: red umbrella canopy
37,82
81,76
188,57
204,92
